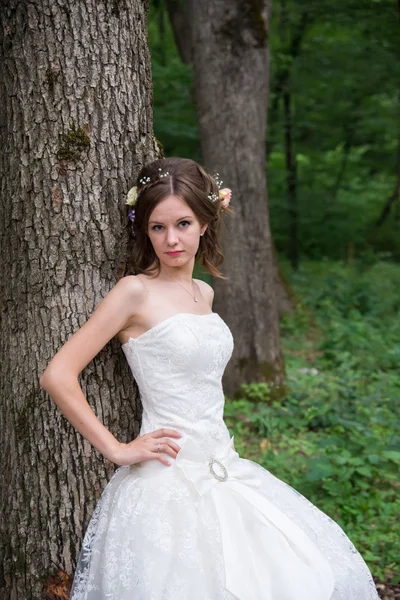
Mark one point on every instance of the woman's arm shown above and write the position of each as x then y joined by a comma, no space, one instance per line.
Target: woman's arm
60,378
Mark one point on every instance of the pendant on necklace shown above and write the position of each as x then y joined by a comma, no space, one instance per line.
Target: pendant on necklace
195,299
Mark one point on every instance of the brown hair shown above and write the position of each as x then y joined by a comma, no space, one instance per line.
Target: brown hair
188,180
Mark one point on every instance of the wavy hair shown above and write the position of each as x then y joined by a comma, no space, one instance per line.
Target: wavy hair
191,182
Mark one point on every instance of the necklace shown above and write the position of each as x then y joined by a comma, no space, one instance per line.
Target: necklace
194,297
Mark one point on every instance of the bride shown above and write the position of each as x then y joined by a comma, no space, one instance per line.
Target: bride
184,516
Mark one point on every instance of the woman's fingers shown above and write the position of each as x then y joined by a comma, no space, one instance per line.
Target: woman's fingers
163,460
165,432
158,443
168,447
168,442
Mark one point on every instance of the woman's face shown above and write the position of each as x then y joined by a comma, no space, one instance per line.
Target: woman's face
173,226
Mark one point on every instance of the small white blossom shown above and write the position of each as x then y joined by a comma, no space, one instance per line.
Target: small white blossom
306,371
131,196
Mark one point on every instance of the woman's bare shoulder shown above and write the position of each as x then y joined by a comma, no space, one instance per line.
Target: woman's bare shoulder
133,287
204,285
133,282
206,290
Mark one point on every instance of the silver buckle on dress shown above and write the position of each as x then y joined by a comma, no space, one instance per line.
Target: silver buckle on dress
223,477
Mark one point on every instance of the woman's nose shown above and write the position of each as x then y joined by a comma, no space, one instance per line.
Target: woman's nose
172,236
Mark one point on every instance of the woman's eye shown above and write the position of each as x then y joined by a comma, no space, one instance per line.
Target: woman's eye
154,228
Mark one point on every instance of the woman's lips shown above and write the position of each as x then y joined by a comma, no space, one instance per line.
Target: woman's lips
174,253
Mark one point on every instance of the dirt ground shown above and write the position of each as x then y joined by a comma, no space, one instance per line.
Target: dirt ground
388,591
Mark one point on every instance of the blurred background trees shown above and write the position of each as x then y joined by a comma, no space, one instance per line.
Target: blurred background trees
333,158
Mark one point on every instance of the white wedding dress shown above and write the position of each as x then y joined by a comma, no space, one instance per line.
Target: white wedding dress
203,530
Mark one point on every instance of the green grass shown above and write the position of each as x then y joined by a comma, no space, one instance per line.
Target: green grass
335,436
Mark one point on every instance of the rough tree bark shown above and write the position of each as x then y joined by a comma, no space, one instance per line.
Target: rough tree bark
230,61
75,127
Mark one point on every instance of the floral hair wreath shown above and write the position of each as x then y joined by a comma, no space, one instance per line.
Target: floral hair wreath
132,196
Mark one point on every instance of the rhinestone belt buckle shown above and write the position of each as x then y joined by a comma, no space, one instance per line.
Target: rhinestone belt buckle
211,464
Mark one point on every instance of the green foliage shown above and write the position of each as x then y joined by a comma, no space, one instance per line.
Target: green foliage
335,436
342,68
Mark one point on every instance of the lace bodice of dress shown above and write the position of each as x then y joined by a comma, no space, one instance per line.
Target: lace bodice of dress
178,365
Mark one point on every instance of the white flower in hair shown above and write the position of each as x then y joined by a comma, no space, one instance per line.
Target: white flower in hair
132,196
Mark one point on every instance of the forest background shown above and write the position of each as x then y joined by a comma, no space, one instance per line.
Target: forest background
312,397
333,171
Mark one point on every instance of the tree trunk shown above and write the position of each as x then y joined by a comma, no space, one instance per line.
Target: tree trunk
76,125
283,75
291,179
292,37
394,197
230,59
180,19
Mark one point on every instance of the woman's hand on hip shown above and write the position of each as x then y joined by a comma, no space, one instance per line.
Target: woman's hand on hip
149,446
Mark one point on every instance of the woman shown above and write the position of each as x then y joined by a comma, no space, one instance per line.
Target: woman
184,516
